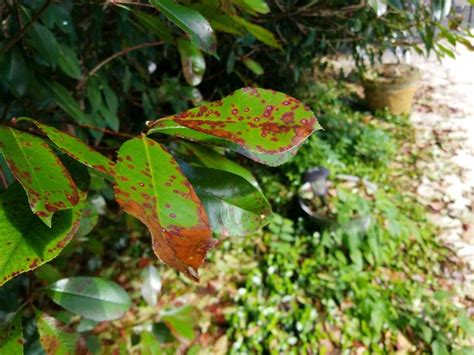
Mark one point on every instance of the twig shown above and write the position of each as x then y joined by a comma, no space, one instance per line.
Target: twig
20,34
115,55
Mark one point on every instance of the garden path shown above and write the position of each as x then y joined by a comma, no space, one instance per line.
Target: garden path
444,120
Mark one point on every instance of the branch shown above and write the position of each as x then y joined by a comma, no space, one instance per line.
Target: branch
115,55
20,34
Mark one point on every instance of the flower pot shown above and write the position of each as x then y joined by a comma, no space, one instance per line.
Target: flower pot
392,86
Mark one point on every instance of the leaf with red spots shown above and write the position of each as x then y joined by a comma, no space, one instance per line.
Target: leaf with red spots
48,184
56,338
11,335
76,149
150,186
264,125
26,242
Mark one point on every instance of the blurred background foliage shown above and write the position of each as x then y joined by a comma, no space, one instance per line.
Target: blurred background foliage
101,69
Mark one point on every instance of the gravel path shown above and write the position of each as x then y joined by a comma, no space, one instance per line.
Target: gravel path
444,122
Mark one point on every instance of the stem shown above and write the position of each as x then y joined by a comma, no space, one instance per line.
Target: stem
116,55
20,34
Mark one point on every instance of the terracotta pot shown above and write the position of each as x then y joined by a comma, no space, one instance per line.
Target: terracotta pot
392,86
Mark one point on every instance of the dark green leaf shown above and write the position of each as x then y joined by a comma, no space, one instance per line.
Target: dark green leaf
234,206
155,25
260,33
45,43
264,125
48,184
69,63
64,99
91,297
192,61
190,21
27,243
19,74
151,187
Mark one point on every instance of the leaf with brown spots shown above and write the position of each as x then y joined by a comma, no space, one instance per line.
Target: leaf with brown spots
56,338
150,186
76,148
11,336
26,242
48,184
264,125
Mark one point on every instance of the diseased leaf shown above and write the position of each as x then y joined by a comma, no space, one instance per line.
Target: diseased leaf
45,43
260,33
69,63
11,336
76,149
48,184
180,320
233,205
190,21
27,243
264,125
64,99
154,24
151,187
55,337
192,61
91,297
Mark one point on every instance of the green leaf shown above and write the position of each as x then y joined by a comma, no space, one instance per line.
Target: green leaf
192,61
253,7
55,337
234,206
91,297
151,285
149,344
151,187
48,184
11,336
64,99
379,6
45,43
154,24
27,243
18,74
260,33
181,321
219,20
190,21
197,154
69,63
264,125
441,8
254,66
93,94
76,149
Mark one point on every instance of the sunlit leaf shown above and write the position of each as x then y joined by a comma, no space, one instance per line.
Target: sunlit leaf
260,33
27,243
151,187
264,125
254,66
233,205
91,297
76,149
253,7
151,285
149,344
441,8
379,6
192,61
11,336
55,337
48,184
180,320
219,19
190,21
